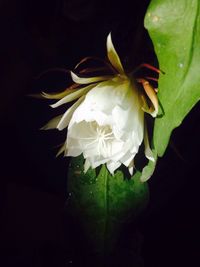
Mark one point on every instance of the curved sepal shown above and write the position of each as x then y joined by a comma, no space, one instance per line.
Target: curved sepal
113,56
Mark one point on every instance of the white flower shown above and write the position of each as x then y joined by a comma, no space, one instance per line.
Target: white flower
106,123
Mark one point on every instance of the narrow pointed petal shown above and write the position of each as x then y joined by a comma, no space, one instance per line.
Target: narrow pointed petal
112,166
128,159
73,96
131,167
94,163
105,65
150,110
68,114
113,56
82,80
148,152
61,150
145,106
86,165
59,95
149,169
52,124
153,97
39,96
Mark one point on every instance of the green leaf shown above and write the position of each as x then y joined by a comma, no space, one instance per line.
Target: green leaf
103,203
174,27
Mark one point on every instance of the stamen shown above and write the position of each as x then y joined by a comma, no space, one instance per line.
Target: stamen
151,78
148,66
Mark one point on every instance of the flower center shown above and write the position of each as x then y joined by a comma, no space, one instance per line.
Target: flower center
105,135
104,132
102,137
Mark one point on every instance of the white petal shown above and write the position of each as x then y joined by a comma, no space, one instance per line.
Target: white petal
95,162
79,139
91,152
106,95
125,155
112,166
117,150
72,149
52,124
118,156
131,167
84,112
100,101
128,160
68,114
128,118
113,56
73,96
82,80
83,132
86,165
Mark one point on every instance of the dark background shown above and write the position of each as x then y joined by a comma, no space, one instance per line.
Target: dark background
39,35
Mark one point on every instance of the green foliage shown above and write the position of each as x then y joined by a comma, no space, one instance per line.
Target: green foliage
174,27
103,202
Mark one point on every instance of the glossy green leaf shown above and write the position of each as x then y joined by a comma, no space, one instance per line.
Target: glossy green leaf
103,203
174,27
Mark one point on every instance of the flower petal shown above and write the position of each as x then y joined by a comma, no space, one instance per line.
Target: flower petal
153,110
86,165
112,166
149,168
72,149
73,96
52,124
113,56
148,152
83,80
97,161
68,114
61,150
59,95
100,101
131,167
128,160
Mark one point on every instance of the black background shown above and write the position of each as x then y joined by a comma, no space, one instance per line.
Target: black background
39,35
